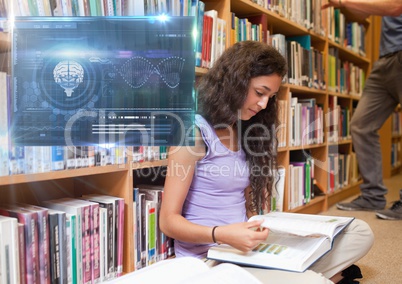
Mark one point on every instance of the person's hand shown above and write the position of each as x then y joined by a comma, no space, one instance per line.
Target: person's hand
242,236
332,3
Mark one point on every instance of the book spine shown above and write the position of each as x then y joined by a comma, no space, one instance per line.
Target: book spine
3,267
57,158
142,231
54,248
137,237
95,243
86,245
69,250
102,242
120,231
63,247
9,271
110,241
151,226
80,246
22,253
33,247
16,252
73,241
200,25
43,234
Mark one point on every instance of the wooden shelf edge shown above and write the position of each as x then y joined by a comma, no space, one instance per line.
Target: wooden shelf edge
71,173
316,205
343,193
148,164
200,71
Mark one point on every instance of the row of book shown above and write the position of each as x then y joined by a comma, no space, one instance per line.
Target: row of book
211,29
305,63
396,123
301,182
306,122
211,36
342,170
338,121
301,121
151,244
343,76
331,21
306,13
64,240
95,7
347,34
41,159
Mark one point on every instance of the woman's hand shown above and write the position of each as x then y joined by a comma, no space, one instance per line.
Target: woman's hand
242,236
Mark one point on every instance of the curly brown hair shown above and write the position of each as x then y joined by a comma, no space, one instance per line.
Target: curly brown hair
223,91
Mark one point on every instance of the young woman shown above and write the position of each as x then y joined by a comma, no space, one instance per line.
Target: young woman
213,187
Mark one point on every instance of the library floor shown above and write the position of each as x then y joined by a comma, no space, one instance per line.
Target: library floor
383,263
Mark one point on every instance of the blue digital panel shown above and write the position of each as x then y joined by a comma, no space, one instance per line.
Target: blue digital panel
103,80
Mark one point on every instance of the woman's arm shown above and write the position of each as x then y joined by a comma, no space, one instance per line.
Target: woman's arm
181,167
365,8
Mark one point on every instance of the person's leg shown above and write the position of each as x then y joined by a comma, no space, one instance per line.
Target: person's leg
348,247
394,212
375,106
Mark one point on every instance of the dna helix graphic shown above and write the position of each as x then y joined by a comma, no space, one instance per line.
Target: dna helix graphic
137,70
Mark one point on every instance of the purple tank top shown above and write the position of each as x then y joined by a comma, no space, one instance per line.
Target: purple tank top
216,194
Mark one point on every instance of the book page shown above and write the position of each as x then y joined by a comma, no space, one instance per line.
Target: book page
282,251
303,224
224,273
185,270
171,271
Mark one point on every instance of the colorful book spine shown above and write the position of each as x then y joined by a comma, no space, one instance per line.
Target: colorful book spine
30,221
200,24
62,205
9,257
57,158
86,237
137,237
95,240
54,246
103,242
109,258
43,237
21,252
120,236
151,232
71,234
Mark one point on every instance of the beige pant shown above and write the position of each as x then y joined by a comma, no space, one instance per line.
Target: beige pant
349,246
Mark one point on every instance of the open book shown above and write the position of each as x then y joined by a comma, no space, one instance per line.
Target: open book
185,270
295,241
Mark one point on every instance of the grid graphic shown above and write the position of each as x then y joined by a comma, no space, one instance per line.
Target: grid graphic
96,80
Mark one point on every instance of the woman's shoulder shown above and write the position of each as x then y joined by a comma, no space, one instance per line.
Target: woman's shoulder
190,152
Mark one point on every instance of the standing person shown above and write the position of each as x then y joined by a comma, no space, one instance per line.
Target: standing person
381,94
212,188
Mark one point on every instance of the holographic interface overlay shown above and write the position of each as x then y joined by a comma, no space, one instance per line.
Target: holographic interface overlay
95,80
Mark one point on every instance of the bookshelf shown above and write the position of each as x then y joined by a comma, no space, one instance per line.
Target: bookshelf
117,180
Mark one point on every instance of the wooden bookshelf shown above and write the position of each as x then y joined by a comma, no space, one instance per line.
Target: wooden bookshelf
118,179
